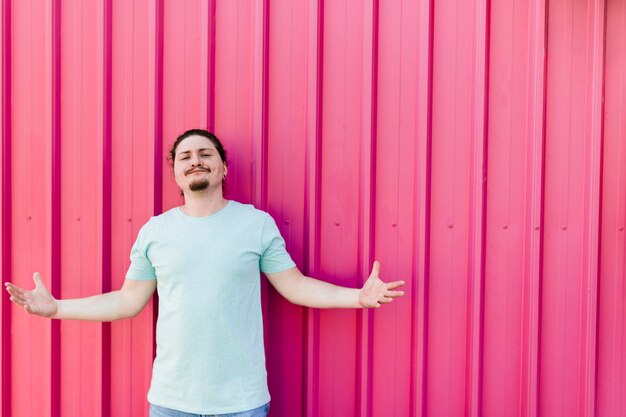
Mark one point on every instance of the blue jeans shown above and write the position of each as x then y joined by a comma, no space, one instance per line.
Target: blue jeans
158,411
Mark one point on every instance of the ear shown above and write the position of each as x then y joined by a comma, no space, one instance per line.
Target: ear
225,170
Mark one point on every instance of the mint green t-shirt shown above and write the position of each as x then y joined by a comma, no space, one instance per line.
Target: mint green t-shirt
210,357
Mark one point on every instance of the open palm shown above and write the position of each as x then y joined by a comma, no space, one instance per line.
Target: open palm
376,292
38,301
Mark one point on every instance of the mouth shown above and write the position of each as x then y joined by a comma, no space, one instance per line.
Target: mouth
199,171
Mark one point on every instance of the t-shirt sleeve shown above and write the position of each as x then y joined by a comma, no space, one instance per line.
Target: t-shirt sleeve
274,257
140,266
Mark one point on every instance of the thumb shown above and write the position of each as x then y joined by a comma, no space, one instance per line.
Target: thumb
38,281
376,268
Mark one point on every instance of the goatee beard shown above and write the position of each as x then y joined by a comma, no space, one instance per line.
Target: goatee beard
199,185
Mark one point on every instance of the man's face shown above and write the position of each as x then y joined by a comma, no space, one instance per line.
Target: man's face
198,165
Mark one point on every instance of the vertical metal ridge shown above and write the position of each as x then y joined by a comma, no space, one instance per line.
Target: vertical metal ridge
265,103
210,117
543,206
312,207
157,204
107,200
158,109
259,119
313,154
483,229
415,243
55,343
597,43
366,231
534,218
373,132
427,209
478,213
7,264
421,215
594,411
259,103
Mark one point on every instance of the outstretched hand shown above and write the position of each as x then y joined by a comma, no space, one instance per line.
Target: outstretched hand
376,292
38,301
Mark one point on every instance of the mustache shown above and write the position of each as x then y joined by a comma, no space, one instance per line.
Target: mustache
197,169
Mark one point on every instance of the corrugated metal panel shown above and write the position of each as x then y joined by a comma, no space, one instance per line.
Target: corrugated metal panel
477,149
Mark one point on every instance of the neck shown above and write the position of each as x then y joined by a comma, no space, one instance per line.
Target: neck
203,203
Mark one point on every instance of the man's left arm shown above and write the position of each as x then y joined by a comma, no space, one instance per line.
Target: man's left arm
311,292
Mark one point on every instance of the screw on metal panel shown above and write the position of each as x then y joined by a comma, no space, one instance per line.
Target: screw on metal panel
337,224
28,218
621,228
394,225
130,219
563,227
450,225
287,222
78,219
536,227
506,226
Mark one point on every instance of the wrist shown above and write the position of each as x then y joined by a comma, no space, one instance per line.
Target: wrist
357,302
57,314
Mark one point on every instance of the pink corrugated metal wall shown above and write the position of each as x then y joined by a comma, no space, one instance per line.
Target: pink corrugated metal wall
476,148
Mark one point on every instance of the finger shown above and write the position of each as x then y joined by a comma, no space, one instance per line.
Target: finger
17,297
16,293
394,294
385,300
376,268
14,288
17,301
395,284
38,281
371,304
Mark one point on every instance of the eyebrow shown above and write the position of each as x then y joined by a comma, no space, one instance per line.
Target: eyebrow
199,150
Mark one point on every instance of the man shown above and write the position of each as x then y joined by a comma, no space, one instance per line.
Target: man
205,259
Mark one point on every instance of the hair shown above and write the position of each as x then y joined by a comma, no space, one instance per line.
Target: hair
205,134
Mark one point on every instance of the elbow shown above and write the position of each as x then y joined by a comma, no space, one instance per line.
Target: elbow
297,298
293,300
130,306
297,293
124,313
134,314
131,314
292,295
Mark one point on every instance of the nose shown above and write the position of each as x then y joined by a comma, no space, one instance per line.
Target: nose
195,160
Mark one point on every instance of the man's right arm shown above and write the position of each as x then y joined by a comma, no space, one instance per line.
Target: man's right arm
124,303
115,305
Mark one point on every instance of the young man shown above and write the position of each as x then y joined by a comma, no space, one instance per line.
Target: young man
205,258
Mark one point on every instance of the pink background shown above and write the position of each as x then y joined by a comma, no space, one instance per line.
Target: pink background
476,148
